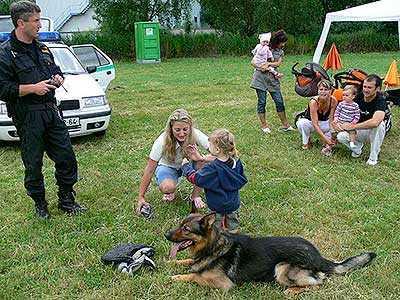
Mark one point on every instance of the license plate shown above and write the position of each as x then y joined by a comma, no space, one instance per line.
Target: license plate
71,122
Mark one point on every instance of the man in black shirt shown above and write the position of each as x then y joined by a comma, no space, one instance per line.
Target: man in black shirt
28,79
371,126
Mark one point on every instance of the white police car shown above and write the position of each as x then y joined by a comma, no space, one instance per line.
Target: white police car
82,99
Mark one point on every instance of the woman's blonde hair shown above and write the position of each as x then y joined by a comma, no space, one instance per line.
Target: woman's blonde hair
179,115
326,84
224,140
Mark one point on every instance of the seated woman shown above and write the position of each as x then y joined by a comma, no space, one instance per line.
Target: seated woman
319,117
166,158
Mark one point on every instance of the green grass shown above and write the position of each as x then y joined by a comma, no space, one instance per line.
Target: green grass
339,203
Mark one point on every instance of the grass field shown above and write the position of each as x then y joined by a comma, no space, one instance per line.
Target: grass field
342,205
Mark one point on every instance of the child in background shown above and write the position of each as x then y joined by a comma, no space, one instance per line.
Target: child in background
221,178
348,111
262,54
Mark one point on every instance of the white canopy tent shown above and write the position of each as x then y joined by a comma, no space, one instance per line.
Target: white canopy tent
379,11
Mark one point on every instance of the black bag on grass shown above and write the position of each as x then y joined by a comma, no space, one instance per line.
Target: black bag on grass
121,253
128,257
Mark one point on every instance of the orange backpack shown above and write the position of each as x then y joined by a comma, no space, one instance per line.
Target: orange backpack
307,79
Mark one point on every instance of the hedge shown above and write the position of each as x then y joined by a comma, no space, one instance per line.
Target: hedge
122,47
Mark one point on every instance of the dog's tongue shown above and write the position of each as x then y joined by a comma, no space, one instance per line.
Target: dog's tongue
174,249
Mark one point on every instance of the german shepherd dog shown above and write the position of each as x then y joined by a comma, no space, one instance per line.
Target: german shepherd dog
220,259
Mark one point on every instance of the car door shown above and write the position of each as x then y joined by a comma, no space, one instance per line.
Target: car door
91,56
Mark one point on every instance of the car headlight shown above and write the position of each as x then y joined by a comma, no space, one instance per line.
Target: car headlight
94,101
3,108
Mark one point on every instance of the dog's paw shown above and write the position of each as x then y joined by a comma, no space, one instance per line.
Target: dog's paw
294,290
177,277
184,277
184,262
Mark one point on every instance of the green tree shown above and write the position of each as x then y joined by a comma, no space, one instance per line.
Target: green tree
5,7
248,17
345,27
334,5
119,16
294,16
235,16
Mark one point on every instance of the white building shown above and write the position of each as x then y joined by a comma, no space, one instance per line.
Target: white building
69,15
77,15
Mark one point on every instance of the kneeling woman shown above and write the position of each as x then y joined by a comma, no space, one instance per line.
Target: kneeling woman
319,117
166,157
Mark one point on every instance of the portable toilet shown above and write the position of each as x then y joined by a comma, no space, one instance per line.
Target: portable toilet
147,42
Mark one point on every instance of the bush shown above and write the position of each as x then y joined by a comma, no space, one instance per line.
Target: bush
116,46
363,41
211,44
301,44
234,44
186,45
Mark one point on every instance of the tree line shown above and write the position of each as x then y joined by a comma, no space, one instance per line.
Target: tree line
243,17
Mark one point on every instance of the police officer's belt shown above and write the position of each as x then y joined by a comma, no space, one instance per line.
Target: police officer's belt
42,106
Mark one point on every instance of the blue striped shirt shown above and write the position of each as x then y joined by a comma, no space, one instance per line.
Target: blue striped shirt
347,112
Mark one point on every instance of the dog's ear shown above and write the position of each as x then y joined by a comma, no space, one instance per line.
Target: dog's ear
208,220
194,209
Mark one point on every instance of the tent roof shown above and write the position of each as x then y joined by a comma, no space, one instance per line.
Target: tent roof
384,10
380,11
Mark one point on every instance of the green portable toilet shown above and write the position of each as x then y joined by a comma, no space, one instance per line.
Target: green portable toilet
147,42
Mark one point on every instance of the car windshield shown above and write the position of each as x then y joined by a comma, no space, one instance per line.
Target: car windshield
67,61
7,26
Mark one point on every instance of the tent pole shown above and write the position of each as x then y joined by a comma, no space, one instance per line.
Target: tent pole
322,40
398,26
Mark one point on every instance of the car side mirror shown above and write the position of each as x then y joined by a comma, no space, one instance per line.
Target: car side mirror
91,69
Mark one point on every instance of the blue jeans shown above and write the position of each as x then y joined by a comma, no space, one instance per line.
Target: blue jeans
164,172
262,101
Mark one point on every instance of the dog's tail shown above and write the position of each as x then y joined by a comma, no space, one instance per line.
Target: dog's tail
352,263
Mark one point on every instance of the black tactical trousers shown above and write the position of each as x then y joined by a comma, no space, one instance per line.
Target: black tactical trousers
44,131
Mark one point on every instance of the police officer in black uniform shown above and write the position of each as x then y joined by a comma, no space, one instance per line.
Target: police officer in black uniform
28,79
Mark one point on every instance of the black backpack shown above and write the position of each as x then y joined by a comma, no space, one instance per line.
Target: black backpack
307,79
122,253
353,76
128,257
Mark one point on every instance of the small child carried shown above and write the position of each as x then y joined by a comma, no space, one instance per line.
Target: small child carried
262,55
221,178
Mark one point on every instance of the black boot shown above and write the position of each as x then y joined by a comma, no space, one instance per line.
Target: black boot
67,203
41,211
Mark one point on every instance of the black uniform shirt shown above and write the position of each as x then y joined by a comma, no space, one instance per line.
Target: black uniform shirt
367,109
22,63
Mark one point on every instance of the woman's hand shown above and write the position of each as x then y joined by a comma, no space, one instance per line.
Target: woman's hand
148,173
141,202
328,140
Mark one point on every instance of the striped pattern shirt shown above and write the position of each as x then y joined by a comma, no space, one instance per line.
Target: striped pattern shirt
347,112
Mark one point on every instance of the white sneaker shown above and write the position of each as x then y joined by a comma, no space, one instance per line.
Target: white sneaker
352,145
357,152
371,162
290,128
266,130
